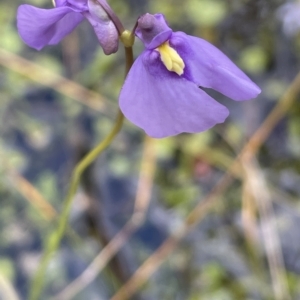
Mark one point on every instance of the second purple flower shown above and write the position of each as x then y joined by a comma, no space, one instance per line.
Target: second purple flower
40,27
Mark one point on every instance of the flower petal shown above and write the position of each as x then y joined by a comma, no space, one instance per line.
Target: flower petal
153,30
58,3
103,26
78,5
40,27
209,67
165,104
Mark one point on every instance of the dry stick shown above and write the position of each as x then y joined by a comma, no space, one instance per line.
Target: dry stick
141,205
30,193
6,289
248,216
59,83
260,191
273,118
34,197
258,138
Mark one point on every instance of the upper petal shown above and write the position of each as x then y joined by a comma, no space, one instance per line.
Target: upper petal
165,104
40,27
210,68
105,29
153,30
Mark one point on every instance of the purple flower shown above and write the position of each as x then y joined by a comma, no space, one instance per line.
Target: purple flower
40,27
162,93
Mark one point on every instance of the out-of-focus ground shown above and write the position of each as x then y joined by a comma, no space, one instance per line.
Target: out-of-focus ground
56,104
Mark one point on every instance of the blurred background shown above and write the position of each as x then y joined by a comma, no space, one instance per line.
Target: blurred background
243,239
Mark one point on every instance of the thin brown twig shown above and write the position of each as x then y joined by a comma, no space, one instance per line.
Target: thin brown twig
7,289
57,82
260,191
28,191
278,112
249,150
141,205
249,216
33,196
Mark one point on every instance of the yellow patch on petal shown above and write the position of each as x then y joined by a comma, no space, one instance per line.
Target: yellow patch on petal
170,58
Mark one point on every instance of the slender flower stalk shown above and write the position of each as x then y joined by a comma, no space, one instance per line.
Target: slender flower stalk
55,238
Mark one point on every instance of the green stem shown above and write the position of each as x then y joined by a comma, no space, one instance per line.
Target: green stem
56,236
